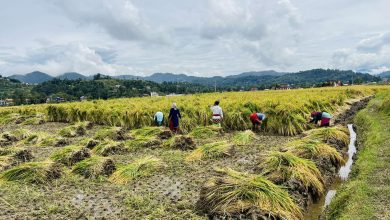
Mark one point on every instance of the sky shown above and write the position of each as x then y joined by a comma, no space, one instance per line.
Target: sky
195,37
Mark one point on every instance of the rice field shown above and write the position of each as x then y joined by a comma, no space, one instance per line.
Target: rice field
104,160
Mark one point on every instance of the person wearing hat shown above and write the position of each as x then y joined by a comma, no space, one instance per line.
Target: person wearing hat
174,117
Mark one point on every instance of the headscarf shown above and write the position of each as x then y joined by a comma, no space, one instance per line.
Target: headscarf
174,106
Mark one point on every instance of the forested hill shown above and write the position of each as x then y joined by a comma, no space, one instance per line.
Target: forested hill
11,88
105,87
261,79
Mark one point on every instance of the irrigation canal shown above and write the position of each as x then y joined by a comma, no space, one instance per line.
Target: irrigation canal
316,210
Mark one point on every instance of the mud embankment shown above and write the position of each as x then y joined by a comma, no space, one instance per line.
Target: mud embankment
316,210
346,117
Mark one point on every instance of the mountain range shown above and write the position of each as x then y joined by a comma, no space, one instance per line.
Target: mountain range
245,79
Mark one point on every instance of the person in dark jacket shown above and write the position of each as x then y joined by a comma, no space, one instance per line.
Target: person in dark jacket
324,117
174,117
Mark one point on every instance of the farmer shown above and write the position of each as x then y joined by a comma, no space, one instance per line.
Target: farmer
174,117
324,117
257,119
217,114
159,118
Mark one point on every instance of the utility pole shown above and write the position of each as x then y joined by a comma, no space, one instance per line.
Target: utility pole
215,86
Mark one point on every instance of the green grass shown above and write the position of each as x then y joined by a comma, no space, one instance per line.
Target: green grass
109,147
285,166
236,193
32,172
141,167
211,150
366,194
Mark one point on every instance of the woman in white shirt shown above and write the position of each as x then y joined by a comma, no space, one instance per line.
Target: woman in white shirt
217,114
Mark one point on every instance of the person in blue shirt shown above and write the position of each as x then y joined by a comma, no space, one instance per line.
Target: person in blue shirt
159,118
257,119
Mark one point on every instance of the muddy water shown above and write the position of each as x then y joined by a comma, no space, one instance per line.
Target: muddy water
315,210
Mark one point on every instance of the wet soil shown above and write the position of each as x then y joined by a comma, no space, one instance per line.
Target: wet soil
171,193
347,116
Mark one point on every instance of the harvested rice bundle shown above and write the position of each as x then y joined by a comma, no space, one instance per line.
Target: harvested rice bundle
33,172
282,167
142,167
71,154
237,195
211,150
94,167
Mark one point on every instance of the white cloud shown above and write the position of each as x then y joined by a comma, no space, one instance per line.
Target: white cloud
121,19
371,54
202,37
66,58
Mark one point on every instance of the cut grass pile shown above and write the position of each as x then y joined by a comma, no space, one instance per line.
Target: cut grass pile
205,132
146,132
244,137
79,129
32,172
94,167
6,162
337,135
314,150
71,154
109,147
141,167
238,193
282,167
113,133
211,150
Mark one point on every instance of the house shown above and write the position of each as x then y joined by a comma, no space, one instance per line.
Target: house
9,101
83,98
283,87
60,99
2,102
154,94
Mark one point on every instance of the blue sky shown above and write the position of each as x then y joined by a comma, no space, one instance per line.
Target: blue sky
196,37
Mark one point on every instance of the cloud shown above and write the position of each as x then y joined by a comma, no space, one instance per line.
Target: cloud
121,19
371,54
57,59
375,43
